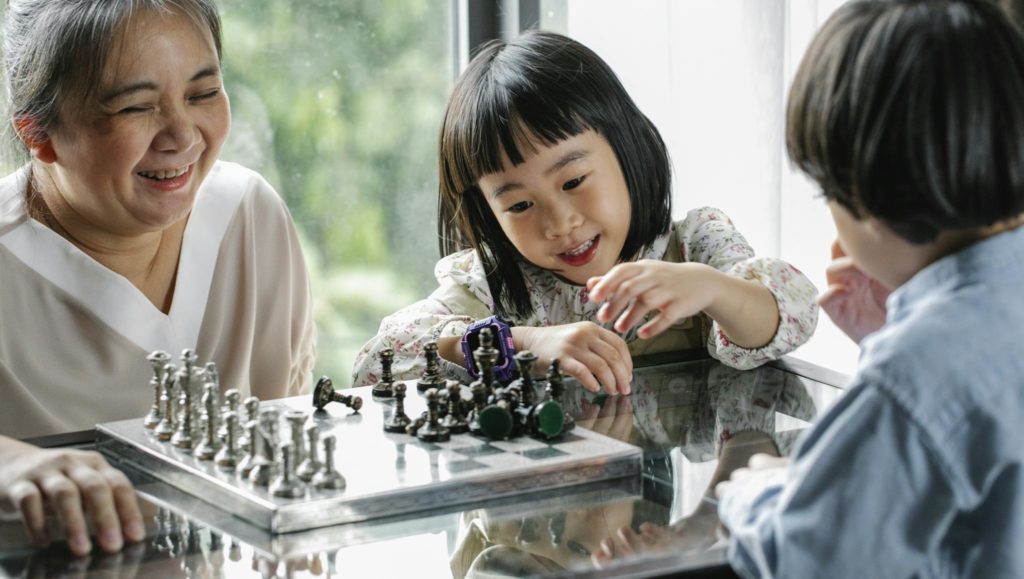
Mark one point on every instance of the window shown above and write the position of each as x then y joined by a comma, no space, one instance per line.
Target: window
338,105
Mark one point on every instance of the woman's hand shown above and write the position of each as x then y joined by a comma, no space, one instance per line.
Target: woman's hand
75,485
632,290
589,353
854,301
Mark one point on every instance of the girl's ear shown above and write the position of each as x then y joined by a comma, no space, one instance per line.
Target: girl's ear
36,139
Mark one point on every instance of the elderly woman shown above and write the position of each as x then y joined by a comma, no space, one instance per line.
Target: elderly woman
123,234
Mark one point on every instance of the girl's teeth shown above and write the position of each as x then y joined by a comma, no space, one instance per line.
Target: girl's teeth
164,174
581,248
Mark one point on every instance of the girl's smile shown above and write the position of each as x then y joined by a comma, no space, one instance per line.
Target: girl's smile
581,254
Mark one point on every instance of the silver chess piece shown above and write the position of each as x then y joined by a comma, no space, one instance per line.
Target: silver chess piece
251,405
232,399
328,478
208,448
296,421
227,457
244,466
158,359
183,435
311,464
265,466
165,430
286,484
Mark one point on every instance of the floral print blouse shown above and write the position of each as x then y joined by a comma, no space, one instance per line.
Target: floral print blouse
706,235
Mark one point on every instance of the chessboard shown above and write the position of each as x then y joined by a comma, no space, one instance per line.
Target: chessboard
385,474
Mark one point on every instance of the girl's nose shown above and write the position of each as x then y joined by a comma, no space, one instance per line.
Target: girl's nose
563,218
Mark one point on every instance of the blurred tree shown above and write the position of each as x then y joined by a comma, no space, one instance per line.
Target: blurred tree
339,105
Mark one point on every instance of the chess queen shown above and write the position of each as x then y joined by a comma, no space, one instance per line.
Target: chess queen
122,234
555,220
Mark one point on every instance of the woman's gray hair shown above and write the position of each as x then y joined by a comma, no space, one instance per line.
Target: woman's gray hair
54,47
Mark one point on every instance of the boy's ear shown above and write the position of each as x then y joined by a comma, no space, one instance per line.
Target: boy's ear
36,139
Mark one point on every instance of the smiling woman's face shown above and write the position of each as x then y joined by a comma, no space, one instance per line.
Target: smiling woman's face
131,157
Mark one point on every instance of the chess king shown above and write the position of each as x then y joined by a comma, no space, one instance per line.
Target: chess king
119,111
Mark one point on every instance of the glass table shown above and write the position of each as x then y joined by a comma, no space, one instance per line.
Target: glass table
695,420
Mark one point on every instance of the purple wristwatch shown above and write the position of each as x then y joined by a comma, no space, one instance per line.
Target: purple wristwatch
505,368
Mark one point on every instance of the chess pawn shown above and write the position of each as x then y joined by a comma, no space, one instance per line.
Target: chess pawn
555,390
286,484
245,466
183,436
399,420
296,421
455,419
431,377
158,360
524,363
165,430
311,464
251,405
324,393
265,467
208,448
433,430
384,388
227,457
231,401
328,478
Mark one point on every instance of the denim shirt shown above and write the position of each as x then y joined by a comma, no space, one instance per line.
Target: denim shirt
919,469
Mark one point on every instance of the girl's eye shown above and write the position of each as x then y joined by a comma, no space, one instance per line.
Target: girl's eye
521,206
573,183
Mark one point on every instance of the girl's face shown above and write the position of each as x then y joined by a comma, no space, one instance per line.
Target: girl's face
566,207
130,159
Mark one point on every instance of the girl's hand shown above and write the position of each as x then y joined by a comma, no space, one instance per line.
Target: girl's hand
758,462
73,484
632,290
854,301
589,353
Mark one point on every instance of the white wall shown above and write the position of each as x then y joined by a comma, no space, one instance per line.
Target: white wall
713,77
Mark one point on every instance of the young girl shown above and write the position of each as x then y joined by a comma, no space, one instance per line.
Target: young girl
908,115
550,179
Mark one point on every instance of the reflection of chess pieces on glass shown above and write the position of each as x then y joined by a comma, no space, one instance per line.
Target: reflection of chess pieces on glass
324,393
228,456
433,430
555,389
384,388
431,377
208,448
296,422
158,360
455,418
311,464
165,430
398,420
328,478
286,484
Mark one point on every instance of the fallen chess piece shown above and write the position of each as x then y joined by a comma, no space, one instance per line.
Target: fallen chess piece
324,394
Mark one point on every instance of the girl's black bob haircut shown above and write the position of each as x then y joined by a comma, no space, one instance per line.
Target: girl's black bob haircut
541,87
912,111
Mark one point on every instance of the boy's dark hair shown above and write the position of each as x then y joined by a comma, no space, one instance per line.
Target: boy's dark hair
910,111
545,87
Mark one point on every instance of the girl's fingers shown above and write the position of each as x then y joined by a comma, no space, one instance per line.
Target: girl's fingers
26,497
625,295
621,367
580,372
66,500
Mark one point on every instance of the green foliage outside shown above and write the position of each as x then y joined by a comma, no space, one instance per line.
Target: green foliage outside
339,103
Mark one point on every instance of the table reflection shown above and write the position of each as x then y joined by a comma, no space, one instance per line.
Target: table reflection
696,421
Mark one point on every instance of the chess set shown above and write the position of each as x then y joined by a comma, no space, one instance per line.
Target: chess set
287,466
